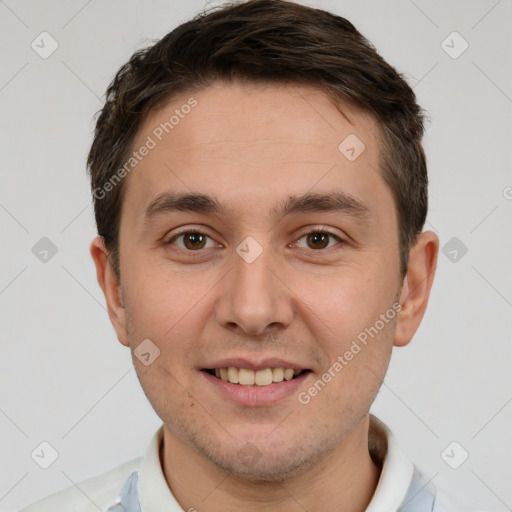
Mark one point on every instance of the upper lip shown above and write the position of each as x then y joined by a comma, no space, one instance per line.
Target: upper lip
253,364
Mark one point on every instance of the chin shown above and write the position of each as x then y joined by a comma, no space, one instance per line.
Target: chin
264,462
263,471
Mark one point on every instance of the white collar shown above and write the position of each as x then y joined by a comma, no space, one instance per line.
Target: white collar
397,470
394,481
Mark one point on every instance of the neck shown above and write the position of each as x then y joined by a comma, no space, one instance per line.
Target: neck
344,480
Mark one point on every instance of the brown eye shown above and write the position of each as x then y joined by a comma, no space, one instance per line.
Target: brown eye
318,240
192,241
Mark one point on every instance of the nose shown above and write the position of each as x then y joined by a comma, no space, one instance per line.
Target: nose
254,299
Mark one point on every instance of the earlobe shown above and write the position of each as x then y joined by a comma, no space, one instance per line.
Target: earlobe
416,287
110,285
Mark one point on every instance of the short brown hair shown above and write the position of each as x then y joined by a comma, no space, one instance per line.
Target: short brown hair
264,41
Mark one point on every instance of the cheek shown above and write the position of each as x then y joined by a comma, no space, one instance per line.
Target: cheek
164,307
165,389
344,315
357,365
345,302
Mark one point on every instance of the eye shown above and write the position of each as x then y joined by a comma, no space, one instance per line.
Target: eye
192,241
318,240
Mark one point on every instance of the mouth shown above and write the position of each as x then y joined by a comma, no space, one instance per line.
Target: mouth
258,378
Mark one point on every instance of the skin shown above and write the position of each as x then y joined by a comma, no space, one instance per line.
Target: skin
252,148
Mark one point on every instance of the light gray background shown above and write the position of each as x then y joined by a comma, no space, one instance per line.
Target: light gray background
64,377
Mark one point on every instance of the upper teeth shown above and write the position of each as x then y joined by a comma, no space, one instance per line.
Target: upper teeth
259,378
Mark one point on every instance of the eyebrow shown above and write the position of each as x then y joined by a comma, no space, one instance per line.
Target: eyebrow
183,202
321,202
169,202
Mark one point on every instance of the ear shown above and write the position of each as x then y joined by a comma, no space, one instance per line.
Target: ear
110,285
416,287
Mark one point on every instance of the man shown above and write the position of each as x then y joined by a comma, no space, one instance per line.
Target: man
260,191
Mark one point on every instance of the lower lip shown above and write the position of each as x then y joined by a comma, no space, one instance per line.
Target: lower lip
256,396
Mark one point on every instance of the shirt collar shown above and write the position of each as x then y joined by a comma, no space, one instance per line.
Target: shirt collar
397,470
154,492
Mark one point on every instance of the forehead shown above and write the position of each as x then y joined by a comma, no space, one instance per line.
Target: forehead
233,113
239,141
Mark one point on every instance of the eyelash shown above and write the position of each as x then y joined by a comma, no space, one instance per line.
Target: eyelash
319,231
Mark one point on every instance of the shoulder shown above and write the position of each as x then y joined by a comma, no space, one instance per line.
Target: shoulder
91,495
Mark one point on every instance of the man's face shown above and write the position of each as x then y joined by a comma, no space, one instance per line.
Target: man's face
288,297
